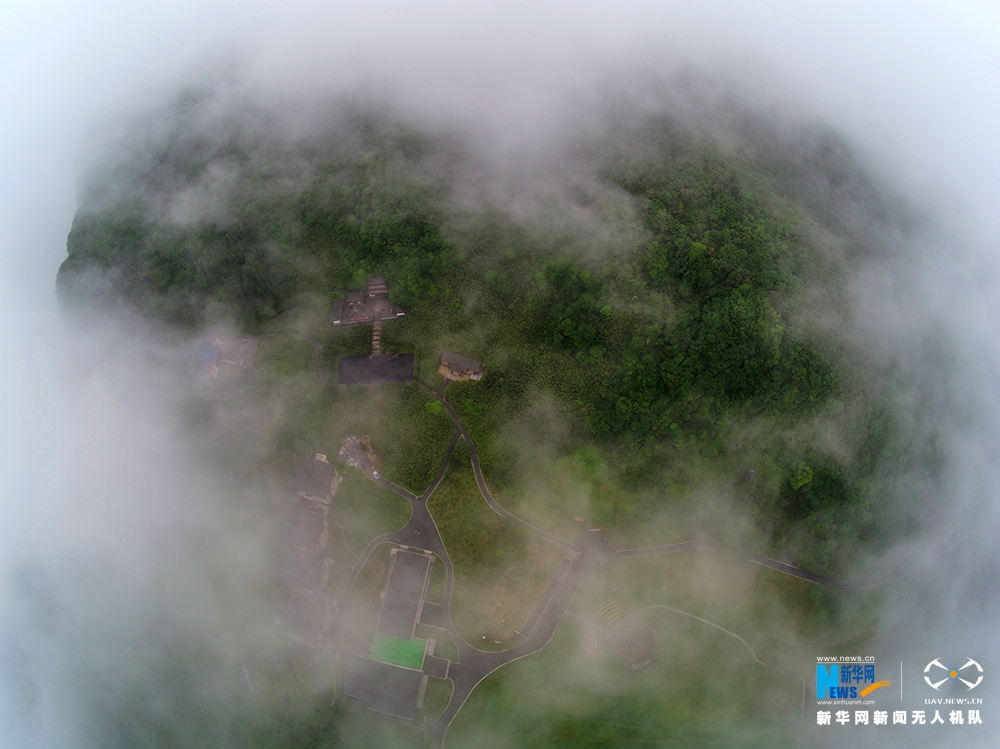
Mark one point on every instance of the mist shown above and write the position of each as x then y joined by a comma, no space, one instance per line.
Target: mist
136,534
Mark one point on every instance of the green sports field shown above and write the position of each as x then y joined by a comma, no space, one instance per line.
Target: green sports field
407,653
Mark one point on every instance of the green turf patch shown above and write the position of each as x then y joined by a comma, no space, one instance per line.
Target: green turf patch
406,653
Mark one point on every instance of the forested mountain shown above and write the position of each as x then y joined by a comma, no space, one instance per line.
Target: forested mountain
710,335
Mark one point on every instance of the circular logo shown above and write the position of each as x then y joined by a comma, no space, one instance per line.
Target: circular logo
953,674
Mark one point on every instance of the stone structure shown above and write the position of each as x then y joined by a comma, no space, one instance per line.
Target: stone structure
354,454
365,307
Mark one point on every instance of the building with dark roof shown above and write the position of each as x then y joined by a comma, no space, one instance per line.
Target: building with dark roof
404,593
392,680
458,367
317,481
383,687
370,370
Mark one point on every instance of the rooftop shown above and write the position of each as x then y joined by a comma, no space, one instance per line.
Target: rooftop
368,370
404,594
364,307
315,478
303,569
383,687
458,367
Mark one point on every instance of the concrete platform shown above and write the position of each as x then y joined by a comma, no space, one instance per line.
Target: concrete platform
370,370
404,594
383,687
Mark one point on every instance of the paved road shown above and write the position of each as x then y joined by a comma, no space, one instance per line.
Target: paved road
582,558
478,471
773,564
420,532
475,665
763,561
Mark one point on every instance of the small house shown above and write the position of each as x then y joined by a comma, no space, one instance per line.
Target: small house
458,367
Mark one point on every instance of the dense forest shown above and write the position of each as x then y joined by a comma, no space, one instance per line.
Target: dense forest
709,339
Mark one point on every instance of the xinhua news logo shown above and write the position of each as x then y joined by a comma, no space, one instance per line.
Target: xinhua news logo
849,681
931,674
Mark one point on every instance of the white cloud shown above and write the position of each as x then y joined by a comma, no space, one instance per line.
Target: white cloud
916,85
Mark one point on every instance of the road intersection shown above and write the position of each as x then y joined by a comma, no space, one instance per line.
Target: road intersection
582,557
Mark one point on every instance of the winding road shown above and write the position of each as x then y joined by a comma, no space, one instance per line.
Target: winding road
581,559
695,545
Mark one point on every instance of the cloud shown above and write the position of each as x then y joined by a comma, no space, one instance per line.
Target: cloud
100,468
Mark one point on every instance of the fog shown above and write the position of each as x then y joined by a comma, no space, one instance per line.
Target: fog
114,506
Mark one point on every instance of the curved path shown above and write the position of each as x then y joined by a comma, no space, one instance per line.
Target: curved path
582,558
473,664
695,545
773,564
725,631
420,532
478,471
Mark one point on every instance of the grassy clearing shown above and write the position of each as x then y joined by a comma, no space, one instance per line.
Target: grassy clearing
768,609
501,570
556,493
694,695
481,545
477,538
411,441
366,510
439,575
417,440
285,354
519,589
699,582
305,418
